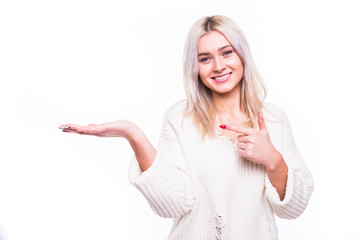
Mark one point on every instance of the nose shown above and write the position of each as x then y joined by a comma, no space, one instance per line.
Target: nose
218,65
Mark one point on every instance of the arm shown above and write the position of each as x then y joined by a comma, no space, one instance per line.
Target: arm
288,182
143,149
257,146
299,182
277,174
161,176
167,184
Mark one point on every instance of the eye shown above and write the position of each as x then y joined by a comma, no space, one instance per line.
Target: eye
228,52
205,59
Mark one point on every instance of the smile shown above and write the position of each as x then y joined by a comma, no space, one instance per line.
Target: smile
222,78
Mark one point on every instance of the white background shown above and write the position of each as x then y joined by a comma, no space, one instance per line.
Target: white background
97,61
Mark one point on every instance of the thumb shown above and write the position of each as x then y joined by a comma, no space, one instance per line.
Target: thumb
261,121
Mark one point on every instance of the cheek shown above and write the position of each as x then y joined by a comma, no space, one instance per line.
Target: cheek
235,63
203,75
239,65
203,72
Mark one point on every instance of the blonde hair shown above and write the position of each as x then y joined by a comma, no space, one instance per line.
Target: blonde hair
200,104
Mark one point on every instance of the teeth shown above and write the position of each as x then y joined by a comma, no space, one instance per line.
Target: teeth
225,76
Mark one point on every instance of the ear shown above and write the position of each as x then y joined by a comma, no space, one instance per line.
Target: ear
261,121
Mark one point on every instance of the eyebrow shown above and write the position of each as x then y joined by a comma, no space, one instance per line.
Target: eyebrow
206,53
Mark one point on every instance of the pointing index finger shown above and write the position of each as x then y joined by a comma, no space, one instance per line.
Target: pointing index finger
239,129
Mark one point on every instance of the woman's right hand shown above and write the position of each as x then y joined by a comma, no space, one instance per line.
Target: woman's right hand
143,149
120,128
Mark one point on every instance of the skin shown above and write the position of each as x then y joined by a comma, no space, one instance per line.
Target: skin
256,146
144,151
216,58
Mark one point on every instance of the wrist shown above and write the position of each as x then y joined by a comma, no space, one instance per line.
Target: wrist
277,173
132,133
277,163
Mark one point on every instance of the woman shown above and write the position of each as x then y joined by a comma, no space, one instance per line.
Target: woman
226,161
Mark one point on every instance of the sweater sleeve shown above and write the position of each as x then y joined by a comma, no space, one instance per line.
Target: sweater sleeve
167,184
299,185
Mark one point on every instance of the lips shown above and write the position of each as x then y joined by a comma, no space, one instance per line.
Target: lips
222,78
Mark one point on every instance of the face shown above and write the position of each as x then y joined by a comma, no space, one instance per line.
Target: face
220,67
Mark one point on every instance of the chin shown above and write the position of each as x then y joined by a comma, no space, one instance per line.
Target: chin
223,90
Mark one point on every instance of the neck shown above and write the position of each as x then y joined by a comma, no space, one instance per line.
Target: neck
227,102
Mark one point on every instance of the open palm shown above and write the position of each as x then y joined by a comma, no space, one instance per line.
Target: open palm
120,128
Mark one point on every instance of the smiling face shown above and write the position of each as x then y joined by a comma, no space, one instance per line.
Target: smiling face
220,67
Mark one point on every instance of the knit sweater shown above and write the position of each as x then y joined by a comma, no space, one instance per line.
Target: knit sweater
213,193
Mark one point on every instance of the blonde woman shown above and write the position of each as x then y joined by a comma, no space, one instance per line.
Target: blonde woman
226,161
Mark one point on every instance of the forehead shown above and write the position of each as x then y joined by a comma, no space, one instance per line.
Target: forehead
212,41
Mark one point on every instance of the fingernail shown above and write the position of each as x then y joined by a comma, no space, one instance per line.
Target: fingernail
222,126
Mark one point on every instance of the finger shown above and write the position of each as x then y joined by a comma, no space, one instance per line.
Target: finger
84,129
91,129
74,126
241,145
261,121
239,129
71,131
244,138
80,132
241,138
68,126
242,153
62,126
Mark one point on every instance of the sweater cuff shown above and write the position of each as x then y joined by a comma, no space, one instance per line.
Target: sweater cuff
136,175
272,193
169,192
134,170
297,196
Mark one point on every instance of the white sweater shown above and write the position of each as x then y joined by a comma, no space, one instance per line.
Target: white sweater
212,192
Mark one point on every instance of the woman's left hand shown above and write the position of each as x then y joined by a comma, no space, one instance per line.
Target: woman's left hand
255,145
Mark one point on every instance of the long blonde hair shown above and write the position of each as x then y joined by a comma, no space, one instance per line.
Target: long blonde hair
200,103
